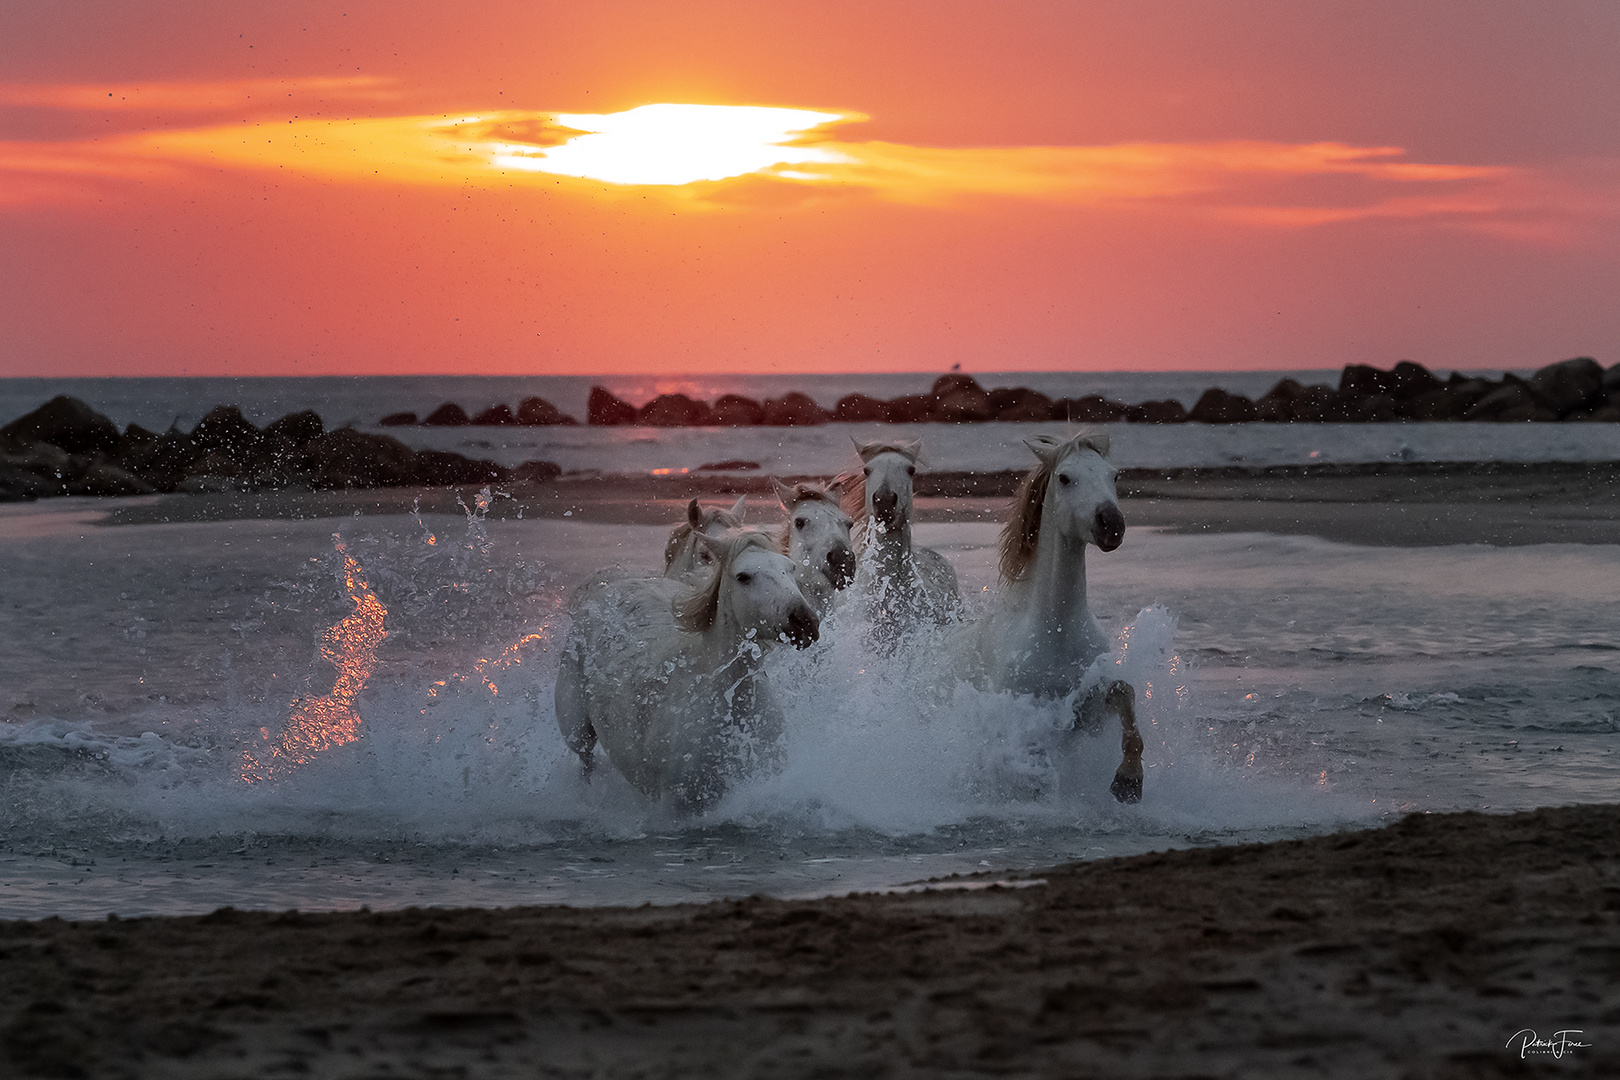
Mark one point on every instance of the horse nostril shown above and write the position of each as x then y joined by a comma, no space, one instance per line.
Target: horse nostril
841,567
1110,528
803,628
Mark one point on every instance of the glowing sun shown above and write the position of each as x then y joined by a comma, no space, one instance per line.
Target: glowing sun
677,144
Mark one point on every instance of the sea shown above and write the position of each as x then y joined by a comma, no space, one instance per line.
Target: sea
154,677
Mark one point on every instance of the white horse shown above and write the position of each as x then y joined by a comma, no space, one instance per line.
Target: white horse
1040,638
668,678
903,585
816,538
687,560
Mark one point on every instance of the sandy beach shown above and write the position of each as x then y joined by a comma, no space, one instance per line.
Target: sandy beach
1421,949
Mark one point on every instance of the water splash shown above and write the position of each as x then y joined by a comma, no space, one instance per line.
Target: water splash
318,723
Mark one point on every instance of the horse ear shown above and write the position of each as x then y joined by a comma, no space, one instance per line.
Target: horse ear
694,514
1044,447
912,450
1097,440
739,507
783,493
835,486
717,545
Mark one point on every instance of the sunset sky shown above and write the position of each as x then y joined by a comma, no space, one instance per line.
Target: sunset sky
510,187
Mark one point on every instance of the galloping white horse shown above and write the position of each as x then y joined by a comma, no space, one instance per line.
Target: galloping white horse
669,678
816,538
687,560
903,585
1040,638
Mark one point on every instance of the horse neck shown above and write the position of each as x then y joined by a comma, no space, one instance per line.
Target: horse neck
1055,587
891,548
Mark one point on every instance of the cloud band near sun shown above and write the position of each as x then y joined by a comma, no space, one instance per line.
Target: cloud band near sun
691,152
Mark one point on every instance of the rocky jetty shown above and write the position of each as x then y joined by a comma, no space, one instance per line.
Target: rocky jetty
66,448
1578,389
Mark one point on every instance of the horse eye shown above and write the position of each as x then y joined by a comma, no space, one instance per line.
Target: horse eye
744,578
798,523
911,470
705,558
1063,478
867,471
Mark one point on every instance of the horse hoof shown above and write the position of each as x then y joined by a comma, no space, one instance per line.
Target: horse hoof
1127,789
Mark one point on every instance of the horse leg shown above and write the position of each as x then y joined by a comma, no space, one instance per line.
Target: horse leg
573,716
1127,785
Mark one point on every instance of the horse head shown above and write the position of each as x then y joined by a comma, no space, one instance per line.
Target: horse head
818,530
1080,493
754,588
684,557
1071,491
889,471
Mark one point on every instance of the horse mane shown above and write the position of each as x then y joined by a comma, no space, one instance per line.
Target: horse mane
1023,529
682,532
696,612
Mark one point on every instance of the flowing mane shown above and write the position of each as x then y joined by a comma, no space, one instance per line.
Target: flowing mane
1023,529
682,532
696,612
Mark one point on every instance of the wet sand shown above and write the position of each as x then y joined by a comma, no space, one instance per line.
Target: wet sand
1415,950
1396,504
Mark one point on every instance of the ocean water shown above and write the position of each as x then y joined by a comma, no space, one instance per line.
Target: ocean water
156,679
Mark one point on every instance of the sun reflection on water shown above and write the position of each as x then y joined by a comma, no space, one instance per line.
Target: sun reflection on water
318,723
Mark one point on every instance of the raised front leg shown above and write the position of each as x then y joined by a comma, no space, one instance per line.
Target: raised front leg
1117,698
1127,785
572,713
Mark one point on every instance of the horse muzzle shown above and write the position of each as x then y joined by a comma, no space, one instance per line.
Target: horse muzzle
1109,528
886,508
840,567
803,628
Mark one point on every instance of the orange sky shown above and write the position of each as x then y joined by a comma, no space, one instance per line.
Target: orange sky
210,188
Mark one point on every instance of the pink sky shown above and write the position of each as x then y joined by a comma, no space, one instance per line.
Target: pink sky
208,188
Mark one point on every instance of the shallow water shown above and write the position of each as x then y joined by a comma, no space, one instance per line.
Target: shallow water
1289,685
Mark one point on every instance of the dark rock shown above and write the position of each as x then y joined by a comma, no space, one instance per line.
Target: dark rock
225,431
1608,413
1376,409
1320,403
103,477
734,410
297,428
1511,401
1019,404
536,472
276,461
1611,381
1452,401
1216,406
495,416
860,409
674,410
728,465
215,463
440,468
538,412
347,458
959,399
1091,409
910,409
1168,411
134,445
1408,380
1568,386
1363,380
794,410
65,422
1280,404
447,415
166,462
606,410
397,419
